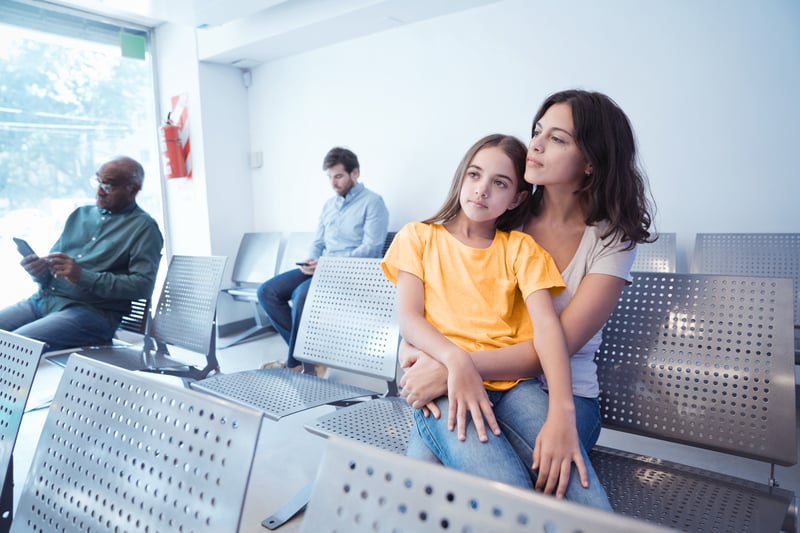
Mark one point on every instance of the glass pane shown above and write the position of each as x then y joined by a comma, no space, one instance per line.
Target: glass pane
67,105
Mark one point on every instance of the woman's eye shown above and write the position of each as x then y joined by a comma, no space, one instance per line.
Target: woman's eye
500,183
472,174
536,133
558,140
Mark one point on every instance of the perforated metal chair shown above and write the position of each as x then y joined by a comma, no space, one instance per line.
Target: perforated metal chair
752,254
19,360
256,262
349,323
185,318
296,248
121,451
364,489
705,361
658,256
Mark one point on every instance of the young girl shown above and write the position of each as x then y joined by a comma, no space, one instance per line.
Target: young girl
467,282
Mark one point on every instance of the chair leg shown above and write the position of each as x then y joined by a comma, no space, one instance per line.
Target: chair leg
262,327
289,509
7,499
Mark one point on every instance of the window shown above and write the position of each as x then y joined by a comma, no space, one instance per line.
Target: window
69,102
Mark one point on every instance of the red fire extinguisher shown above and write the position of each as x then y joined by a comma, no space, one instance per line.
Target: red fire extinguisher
172,150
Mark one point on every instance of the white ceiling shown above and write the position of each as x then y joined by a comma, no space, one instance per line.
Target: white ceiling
246,33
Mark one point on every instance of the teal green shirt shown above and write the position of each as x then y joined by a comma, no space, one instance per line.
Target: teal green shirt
119,254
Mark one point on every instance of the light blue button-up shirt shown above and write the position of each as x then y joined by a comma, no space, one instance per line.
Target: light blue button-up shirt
354,225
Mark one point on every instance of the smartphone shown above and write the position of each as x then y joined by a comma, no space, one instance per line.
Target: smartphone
302,264
23,247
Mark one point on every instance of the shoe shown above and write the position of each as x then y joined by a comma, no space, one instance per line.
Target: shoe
274,364
321,371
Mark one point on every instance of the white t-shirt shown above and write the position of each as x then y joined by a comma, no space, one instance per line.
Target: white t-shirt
594,256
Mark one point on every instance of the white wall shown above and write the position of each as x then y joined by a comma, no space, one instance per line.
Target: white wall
710,87
208,213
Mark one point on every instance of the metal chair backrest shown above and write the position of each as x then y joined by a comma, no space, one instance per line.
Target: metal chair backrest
658,256
257,258
704,360
19,360
188,303
350,318
121,451
750,254
295,249
363,489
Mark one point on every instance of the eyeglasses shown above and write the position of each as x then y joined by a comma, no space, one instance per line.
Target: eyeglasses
107,188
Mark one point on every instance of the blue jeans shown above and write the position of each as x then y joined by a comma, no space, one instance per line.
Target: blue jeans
520,412
69,328
274,296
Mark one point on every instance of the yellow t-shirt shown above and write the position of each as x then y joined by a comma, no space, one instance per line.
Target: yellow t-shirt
474,296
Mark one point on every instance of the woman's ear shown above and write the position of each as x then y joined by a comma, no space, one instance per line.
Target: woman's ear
588,170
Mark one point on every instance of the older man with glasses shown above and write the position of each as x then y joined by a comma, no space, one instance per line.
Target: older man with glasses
107,256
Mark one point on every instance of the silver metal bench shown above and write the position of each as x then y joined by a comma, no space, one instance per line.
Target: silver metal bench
256,262
695,359
349,323
123,451
185,318
364,489
752,254
704,361
658,256
19,360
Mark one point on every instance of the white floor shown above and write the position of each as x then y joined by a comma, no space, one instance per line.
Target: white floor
287,459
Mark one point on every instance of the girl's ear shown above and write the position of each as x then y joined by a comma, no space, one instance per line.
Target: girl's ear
518,199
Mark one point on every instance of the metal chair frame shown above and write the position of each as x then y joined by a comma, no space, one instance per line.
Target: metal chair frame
185,318
256,261
705,361
364,489
121,451
19,360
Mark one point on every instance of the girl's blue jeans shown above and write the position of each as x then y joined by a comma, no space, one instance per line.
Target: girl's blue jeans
520,412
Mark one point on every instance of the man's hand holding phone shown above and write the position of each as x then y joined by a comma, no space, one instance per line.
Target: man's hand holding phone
34,265
308,266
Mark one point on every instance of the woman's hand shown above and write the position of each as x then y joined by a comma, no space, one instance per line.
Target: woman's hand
554,451
424,380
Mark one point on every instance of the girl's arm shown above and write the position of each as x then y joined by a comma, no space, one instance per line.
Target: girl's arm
584,315
464,384
557,445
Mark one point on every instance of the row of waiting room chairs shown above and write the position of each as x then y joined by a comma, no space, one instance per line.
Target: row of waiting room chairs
662,378
670,368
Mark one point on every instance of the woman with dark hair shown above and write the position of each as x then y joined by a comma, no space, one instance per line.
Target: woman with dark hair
588,211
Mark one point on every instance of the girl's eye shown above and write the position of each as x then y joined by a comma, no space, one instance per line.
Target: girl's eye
472,174
558,140
536,133
500,183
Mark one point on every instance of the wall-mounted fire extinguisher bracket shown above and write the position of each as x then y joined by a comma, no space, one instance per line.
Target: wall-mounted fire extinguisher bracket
172,150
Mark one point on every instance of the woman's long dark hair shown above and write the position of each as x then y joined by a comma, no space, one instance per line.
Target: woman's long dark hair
616,190
517,153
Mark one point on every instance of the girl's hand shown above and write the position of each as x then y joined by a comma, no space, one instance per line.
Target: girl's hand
466,394
554,451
